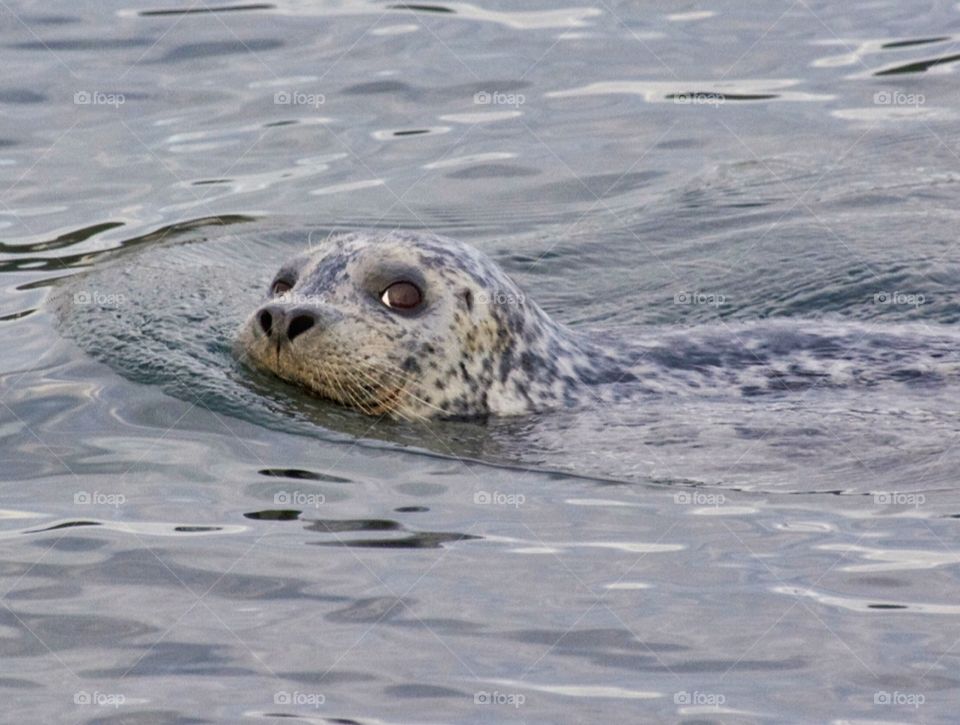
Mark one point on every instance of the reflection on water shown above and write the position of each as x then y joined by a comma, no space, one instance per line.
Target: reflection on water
185,540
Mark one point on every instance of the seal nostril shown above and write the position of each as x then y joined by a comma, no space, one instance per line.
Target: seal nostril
299,325
266,322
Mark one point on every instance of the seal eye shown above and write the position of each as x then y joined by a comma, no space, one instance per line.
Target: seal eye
280,287
402,296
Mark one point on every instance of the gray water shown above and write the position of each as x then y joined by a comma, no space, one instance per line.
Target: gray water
185,540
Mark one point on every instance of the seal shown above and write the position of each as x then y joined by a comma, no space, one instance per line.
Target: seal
414,326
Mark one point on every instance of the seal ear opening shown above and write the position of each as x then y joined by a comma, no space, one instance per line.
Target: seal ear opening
467,296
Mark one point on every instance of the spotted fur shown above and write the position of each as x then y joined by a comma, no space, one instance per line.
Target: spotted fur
477,347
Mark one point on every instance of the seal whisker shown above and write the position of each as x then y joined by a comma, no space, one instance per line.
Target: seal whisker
402,389
383,403
344,397
407,381
404,383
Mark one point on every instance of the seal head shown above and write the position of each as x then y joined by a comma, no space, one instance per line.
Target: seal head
413,326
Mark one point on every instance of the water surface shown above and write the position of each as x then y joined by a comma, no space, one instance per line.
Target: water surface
187,541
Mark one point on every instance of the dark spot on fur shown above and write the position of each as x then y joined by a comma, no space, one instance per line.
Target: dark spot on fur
528,362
